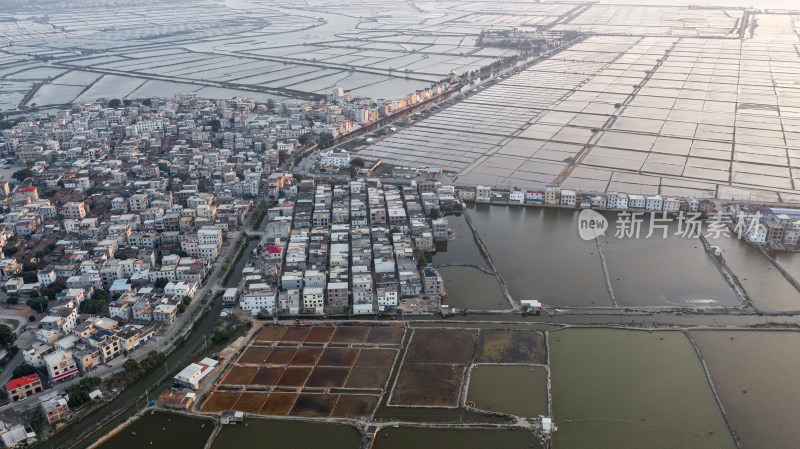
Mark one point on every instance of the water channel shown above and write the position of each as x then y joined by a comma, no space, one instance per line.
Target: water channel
610,388
153,382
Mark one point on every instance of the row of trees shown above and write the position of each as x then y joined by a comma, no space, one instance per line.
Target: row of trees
79,393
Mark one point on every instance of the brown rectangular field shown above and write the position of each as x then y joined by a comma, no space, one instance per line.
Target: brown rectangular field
281,356
338,357
255,354
319,334
441,346
431,385
278,404
295,334
355,405
240,375
250,402
218,402
385,336
306,356
350,334
326,377
314,404
367,378
376,358
506,346
270,333
267,376
294,377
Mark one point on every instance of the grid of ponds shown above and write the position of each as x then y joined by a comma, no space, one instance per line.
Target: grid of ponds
636,114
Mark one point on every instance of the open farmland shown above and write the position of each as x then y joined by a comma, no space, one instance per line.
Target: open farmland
310,370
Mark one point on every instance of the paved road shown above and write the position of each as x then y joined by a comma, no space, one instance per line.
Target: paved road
115,365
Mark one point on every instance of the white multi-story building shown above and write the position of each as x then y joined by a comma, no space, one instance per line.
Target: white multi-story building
165,313
483,194
209,235
256,301
314,299
60,365
336,159
612,200
34,354
622,201
636,202
46,276
180,288
568,198
654,203
692,203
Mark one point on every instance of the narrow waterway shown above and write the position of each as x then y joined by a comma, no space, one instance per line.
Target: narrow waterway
93,425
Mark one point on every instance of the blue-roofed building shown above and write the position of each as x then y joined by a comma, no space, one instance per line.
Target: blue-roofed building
107,342
432,283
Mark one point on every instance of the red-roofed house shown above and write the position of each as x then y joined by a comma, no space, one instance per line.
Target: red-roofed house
22,387
272,253
30,192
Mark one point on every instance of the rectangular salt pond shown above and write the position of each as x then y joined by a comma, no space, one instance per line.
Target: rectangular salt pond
417,438
629,388
755,374
519,390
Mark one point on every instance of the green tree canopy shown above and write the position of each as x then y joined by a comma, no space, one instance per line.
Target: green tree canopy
220,335
131,366
7,336
10,250
23,369
21,175
78,398
30,266
38,304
